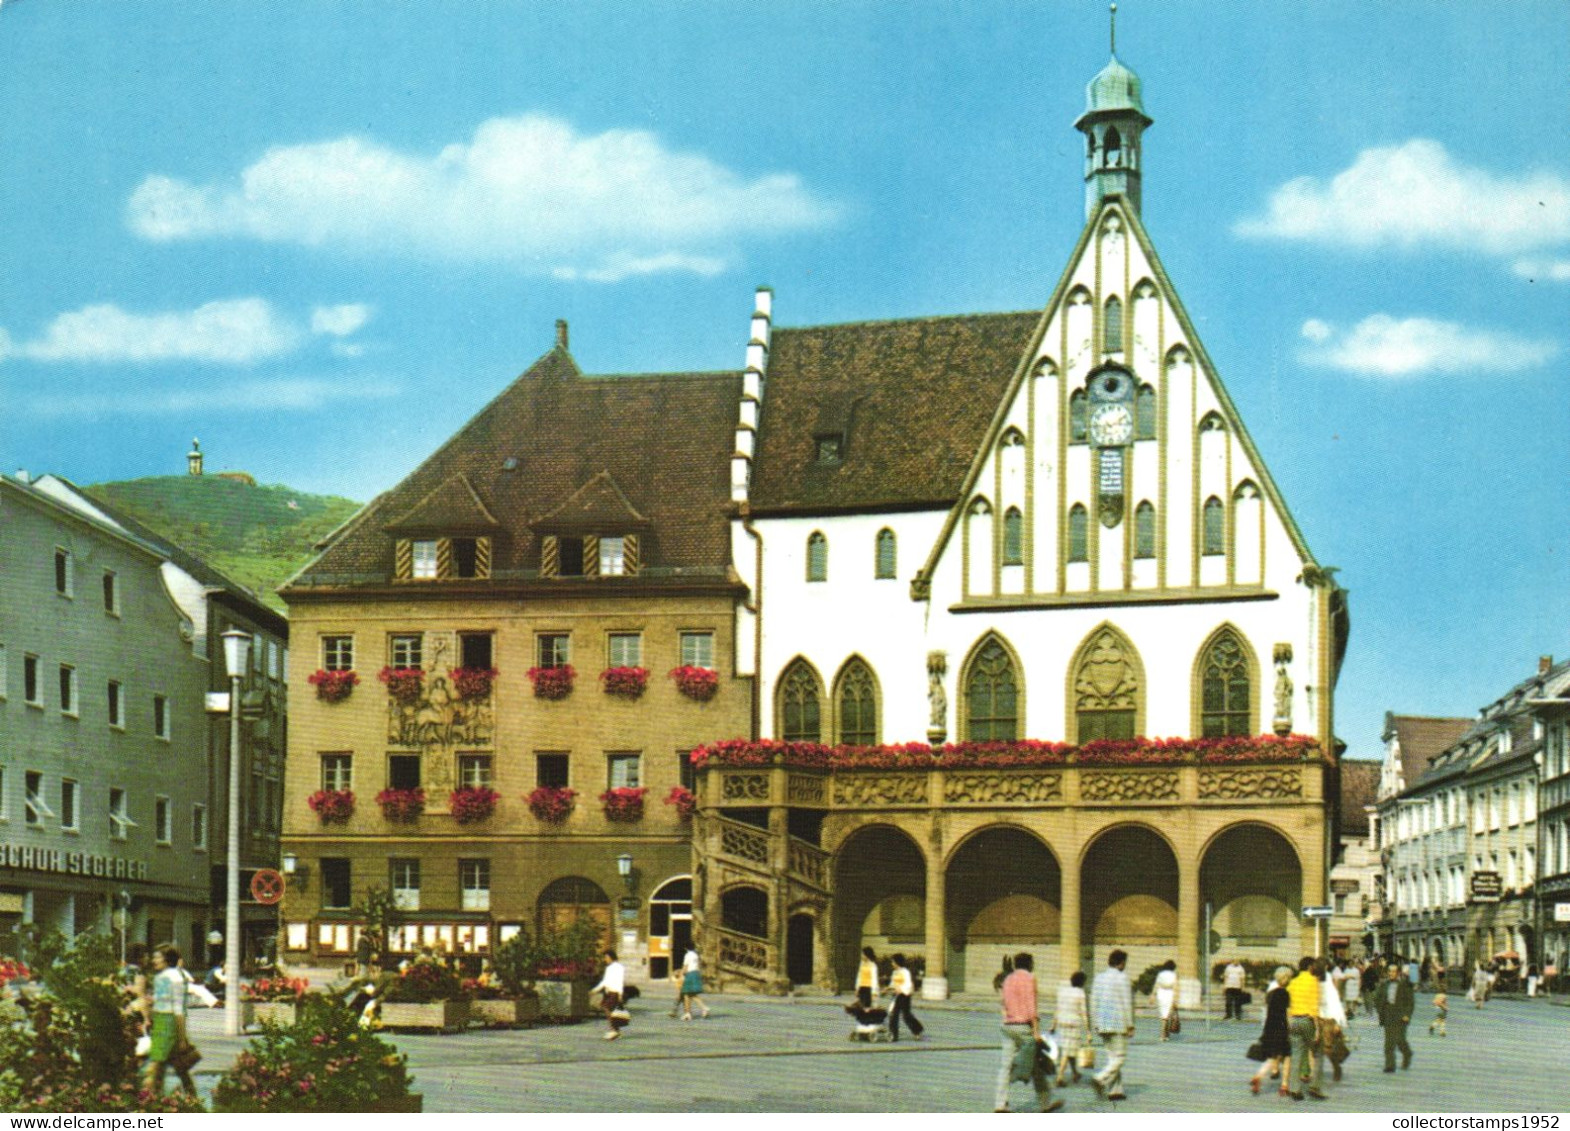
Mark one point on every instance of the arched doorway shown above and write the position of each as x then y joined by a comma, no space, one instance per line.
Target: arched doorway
745,910
670,925
1128,899
1250,877
572,899
800,935
1003,889
880,894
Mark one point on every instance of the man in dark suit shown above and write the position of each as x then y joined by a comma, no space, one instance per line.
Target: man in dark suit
1395,1013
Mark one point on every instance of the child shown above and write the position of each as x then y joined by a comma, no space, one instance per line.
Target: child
1441,1010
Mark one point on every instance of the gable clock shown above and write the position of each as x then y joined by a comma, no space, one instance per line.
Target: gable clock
1111,431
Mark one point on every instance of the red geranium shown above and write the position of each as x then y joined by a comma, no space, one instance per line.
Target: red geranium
403,684
332,687
401,805
965,755
623,804
552,683
274,989
333,806
550,803
473,683
700,684
685,801
625,682
472,803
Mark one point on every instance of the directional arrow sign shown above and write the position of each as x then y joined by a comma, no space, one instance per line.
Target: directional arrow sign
1318,912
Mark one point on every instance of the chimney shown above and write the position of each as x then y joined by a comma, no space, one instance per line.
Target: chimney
561,333
1545,664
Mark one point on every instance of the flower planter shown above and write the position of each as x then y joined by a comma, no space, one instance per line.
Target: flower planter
551,805
507,1011
685,803
332,806
403,684
411,1104
332,687
402,806
697,684
443,1016
472,804
266,1012
552,683
623,804
569,1000
625,683
473,683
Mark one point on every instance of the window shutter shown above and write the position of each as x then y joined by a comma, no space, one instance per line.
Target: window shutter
482,557
629,555
444,557
403,559
550,557
591,555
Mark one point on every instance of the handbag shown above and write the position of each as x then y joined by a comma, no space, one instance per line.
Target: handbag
185,1057
1086,1059
1256,1051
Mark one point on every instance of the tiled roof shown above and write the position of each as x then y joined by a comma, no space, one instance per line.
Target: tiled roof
451,508
1422,740
599,503
912,399
1359,786
660,443
1478,749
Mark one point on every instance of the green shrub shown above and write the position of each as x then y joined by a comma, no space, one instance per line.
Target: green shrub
513,962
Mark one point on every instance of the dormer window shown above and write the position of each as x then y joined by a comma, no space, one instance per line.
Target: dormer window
589,555
441,559
830,447
612,561
424,567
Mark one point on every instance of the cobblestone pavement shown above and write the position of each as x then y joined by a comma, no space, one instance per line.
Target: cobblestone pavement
771,1054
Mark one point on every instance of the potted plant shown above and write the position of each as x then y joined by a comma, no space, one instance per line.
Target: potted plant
504,995
685,801
403,684
565,964
332,687
426,995
698,684
323,1062
402,806
552,683
551,804
473,683
271,1000
625,683
472,804
332,806
623,804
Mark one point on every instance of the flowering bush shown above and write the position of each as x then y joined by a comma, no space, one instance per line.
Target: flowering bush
11,970
332,687
552,683
472,803
628,683
550,803
403,684
568,953
684,800
426,980
274,989
333,806
402,805
966,755
473,683
323,1062
623,804
696,683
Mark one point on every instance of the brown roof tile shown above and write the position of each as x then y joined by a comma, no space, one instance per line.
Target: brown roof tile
1359,787
451,508
912,399
1422,739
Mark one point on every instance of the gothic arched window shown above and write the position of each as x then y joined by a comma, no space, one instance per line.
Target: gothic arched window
1145,530
1078,533
1145,414
1013,537
1078,417
991,694
799,696
1225,688
885,567
1215,527
817,557
856,695
1107,687
1112,326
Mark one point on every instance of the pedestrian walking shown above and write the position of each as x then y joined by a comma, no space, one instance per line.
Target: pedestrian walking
1395,1012
1332,1026
1232,979
1166,998
1441,1011
612,988
903,986
1112,1015
1480,983
867,978
1275,1045
1021,1037
1303,1028
691,992
171,1045
1071,1024
1352,990
1532,979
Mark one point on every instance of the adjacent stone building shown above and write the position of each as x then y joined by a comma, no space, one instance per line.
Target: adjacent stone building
1355,876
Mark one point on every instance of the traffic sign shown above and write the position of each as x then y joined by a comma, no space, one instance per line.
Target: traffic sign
1321,912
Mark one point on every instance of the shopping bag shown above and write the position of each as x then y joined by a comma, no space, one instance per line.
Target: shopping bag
1256,1051
1087,1057
185,1057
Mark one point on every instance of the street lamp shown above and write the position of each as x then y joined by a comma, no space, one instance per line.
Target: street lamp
624,870
237,659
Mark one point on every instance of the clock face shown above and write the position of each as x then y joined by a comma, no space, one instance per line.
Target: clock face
1111,424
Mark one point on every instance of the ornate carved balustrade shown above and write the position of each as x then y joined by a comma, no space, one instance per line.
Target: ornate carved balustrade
745,955
808,864
743,842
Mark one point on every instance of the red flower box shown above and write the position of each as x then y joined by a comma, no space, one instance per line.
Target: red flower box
473,683
12,971
700,684
332,687
403,684
333,806
552,683
628,683
472,803
623,804
685,801
551,804
274,989
401,805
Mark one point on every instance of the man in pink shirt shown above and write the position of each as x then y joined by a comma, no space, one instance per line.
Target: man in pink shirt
1020,1033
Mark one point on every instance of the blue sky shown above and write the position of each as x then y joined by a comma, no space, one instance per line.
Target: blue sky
321,236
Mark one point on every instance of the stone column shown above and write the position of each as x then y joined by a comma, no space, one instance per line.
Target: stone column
935,983
779,887
1069,915
1190,977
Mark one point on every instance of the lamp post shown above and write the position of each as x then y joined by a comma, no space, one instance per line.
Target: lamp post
624,870
237,658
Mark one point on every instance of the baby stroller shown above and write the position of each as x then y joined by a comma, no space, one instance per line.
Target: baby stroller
871,1024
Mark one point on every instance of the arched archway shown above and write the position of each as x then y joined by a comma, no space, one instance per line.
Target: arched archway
745,910
880,894
1251,877
570,900
670,925
1129,898
1003,891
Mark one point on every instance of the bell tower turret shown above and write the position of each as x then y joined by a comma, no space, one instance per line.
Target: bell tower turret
1113,122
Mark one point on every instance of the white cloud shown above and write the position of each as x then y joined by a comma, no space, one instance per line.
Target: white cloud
1414,195
1383,346
1543,270
340,321
528,191
294,394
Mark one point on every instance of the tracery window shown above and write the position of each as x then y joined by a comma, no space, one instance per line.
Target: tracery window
1226,690
992,695
1107,688
858,705
799,698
